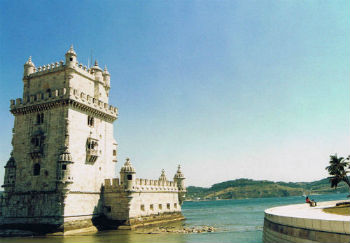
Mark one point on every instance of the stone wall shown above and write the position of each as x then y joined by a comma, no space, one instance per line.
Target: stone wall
274,232
148,197
26,154
30,208
89,176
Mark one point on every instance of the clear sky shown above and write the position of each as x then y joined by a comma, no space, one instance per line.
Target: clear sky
229,89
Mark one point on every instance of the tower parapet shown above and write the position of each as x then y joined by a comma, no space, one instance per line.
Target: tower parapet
75,97
138,184
73,75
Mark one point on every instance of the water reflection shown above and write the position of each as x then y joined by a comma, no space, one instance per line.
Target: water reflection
125,236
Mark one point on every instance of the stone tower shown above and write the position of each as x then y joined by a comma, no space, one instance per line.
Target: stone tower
179,179
63,147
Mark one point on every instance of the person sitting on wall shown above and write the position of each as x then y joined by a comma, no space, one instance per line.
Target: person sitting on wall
312,202
307,200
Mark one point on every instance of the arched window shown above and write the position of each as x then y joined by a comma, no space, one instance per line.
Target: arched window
49,92
129,177
36,169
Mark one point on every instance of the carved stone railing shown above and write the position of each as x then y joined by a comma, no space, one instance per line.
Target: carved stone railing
142,185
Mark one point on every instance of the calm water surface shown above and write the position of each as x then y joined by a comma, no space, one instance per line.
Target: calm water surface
236,220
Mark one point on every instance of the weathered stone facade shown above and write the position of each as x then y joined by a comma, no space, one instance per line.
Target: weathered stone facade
64,152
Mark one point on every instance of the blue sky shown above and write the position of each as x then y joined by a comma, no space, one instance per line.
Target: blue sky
229,89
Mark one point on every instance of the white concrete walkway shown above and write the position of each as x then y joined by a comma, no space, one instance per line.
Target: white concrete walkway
305,211
304,216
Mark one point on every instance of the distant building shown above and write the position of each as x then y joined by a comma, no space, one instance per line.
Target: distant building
60,175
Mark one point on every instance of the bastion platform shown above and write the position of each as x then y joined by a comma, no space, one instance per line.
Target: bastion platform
302,223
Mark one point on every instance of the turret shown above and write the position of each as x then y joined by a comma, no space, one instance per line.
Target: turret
28,67
10,175
107,78
162,177
71,57
180,180
127,175
64,176
97,72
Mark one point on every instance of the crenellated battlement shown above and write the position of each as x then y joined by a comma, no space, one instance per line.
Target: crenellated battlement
60,66
63,94
142,185
53,67
70,66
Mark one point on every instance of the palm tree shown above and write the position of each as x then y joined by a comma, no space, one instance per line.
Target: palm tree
338,170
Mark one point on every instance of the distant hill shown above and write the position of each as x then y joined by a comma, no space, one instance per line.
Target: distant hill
247,188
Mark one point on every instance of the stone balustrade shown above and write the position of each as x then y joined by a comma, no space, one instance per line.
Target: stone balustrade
142,185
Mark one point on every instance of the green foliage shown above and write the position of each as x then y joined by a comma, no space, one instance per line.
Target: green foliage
338,170
247,188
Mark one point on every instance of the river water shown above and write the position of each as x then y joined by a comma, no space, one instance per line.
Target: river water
238,221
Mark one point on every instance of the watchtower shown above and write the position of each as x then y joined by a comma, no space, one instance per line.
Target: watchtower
63,145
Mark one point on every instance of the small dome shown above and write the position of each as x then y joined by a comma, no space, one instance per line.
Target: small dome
105,72
65,156
127,168
29,62
179,174
11,163
162,176
71,51
96,67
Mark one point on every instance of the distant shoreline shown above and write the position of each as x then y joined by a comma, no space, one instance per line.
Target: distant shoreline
248,188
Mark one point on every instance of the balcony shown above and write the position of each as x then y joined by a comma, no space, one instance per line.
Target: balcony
91,155
36,152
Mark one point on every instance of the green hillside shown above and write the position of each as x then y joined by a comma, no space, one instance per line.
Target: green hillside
247,188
